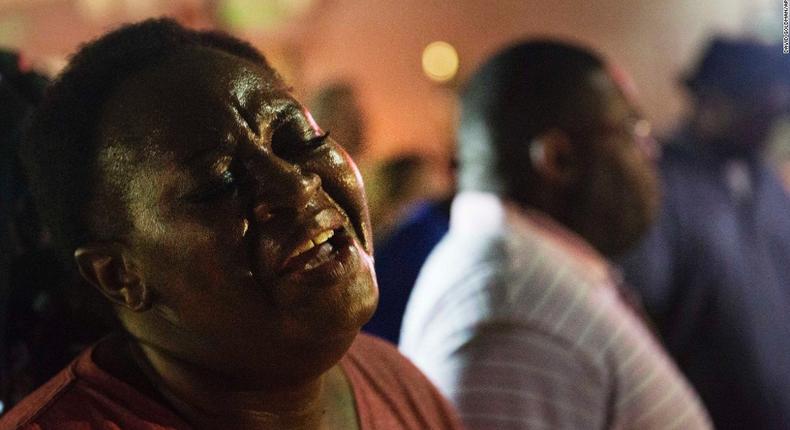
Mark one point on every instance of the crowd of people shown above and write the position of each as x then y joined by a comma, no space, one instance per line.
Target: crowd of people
185,245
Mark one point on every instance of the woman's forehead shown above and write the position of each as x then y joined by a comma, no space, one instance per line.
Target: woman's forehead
196,76
210,66
195,99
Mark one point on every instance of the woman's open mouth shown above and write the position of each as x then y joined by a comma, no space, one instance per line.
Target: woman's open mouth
311,253
328,254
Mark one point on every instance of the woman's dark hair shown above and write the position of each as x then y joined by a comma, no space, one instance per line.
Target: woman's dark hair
61,148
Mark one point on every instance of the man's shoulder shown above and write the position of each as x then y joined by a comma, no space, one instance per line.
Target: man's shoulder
521,274
457,261
555,288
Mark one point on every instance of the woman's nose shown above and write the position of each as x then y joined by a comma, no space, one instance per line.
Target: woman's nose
280,186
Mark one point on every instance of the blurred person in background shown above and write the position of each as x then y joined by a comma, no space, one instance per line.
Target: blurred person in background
337,107
394,185
230,236
517,314
714,272
44,320
413,231
778,153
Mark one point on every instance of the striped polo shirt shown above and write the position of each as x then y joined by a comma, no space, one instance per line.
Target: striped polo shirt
519,322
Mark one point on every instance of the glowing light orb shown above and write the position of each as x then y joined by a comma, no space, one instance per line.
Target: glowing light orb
440,61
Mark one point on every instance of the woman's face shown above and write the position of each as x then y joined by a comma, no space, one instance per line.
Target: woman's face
250,226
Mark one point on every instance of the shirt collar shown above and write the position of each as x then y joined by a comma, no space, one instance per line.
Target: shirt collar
477,212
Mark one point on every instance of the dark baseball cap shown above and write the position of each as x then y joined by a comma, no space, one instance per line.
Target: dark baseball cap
739,67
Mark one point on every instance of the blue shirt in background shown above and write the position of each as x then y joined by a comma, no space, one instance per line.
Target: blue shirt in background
399,258
714,274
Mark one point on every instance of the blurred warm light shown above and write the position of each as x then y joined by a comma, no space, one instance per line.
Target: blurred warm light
261,15
99,10
141,8
94,9
440,61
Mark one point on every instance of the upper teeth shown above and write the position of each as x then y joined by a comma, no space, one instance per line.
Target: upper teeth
311,243
323,237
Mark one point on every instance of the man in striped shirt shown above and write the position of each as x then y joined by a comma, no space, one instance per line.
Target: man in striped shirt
517,315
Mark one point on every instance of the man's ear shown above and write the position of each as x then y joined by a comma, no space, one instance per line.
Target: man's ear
553,158
105,266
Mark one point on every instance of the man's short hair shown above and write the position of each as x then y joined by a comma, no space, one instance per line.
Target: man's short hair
522,91
62,145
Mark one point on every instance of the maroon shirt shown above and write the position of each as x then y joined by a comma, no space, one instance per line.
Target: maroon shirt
390,393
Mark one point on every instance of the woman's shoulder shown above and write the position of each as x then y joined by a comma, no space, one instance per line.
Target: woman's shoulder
83,395
390,392
377,361
40,403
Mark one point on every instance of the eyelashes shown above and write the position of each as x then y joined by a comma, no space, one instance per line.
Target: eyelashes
288,141
317,141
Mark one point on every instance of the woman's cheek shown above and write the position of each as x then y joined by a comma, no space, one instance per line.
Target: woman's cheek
341,179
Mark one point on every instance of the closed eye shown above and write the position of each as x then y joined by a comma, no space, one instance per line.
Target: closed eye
288,141
317,141
226,185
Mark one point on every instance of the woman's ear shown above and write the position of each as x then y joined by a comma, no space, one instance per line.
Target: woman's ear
104,266
553,158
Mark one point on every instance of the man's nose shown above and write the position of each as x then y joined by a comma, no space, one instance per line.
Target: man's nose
280,186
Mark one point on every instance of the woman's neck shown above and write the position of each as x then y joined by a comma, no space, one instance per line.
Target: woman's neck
206,399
